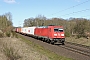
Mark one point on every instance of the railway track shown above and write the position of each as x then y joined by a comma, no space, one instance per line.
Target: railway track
78,48
64,50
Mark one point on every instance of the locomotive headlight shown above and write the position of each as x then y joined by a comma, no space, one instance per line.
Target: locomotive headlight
55,34
62,34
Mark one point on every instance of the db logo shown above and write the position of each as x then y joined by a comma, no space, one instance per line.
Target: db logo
28,30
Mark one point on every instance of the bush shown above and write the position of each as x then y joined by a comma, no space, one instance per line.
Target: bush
1,35
80,35
10,53
67,34
14,34
8,34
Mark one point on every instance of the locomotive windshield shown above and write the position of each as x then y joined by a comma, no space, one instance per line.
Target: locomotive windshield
58,30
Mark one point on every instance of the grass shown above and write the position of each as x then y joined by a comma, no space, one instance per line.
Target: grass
82,41
42,50
10,53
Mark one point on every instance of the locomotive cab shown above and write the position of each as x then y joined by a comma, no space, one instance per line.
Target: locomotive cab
57,34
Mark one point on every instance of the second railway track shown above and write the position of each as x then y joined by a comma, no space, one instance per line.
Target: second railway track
85,50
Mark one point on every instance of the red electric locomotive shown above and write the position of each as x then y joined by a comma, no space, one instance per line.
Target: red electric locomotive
51,34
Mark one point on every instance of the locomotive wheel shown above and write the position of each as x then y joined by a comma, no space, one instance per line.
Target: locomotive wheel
43,39
48,41
63,43
52,42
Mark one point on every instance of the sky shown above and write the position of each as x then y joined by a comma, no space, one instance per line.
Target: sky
24,9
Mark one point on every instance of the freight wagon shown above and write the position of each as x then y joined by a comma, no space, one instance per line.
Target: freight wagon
18,29
30,31
24,30
27,31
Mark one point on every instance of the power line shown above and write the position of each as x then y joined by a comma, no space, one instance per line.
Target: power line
71,7
76,12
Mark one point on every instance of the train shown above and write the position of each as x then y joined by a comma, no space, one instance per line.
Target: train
49,34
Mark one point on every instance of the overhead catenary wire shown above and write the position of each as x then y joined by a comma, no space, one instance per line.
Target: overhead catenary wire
71,7
76,12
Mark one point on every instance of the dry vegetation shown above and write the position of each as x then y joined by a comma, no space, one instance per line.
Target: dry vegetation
21,49
82,40
14,49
